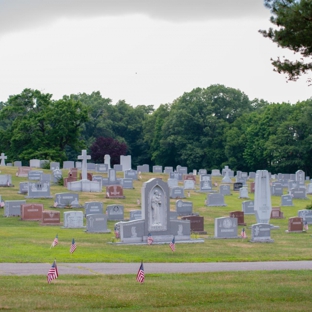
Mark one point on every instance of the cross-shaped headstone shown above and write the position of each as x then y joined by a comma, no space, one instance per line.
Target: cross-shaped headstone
2,157
84,157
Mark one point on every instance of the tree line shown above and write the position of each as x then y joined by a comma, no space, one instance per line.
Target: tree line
205,128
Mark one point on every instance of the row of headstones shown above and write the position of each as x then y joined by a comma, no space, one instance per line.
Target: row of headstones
227,227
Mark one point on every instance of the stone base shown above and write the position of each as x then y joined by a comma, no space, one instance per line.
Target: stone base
39,197
191,241
199,232
49,224
236,237
102,232
262,241
294,231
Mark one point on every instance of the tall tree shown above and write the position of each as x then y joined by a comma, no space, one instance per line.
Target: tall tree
38,127
293,20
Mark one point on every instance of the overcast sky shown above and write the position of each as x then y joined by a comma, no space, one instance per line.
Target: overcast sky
141,51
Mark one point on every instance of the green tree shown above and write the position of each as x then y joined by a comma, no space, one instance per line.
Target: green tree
293,31
38,127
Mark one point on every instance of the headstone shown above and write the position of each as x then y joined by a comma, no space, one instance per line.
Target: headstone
189,185
127,183
38,190
261,233
306,215
97,223
172,183
295,224
107,161
73,219
118,168
67,200
202,171
173,215
225,189
34,163
131,231
68,164
93,208
205,186
3,158
299,193
300,177
54,165
184,208
239,215
157,169
277,189
12,208
286,200
237,186
35,175
17,163
248,207
125,162
197,224
135,215
57,175
114,191
215,172
177,192
252,187
84,157
243,192
309,189
176,175
115,212
112,179
191,177
51,218
226,178
23,188
143,168
262,199
167,170
182,170
225,227
252,175
276,213
31,212
131,174
78,164
5,180
102,168
215,200
91,166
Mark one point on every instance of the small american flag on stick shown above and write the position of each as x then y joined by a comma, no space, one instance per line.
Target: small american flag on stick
150,239
53,273
73,246
140,276
172,244
55,241
243,233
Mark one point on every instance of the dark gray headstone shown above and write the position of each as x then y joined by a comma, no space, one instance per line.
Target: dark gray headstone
115,212
66,200
286,200
261,232
97,223
225,227
13,207
215,200
177,192
248,207
93,208
184,208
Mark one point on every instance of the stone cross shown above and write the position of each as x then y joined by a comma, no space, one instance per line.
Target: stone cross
2,158
84,157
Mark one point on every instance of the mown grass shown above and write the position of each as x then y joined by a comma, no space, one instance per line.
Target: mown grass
223,291
28,241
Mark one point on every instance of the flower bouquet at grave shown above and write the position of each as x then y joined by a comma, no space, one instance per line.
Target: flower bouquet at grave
68,206
309,206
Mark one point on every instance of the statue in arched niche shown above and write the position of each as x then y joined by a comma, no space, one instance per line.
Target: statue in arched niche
156,206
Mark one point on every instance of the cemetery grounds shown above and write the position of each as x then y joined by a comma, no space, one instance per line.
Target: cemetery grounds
29,242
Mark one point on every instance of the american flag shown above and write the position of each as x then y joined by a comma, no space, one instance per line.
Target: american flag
55,242
172,244
306,227
243,233
150,239
140,275
53,273
73,246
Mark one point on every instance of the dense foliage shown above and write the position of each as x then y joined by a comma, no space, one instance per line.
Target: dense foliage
205,128
293,31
